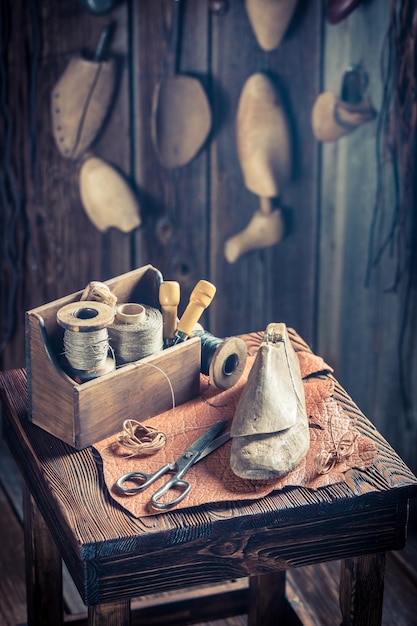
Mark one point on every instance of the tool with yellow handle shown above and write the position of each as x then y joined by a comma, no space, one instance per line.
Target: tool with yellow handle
200,298
169,299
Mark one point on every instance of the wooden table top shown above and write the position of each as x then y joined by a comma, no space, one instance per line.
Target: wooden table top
292,527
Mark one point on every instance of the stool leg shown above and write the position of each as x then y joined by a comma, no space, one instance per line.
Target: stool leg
266,599
110,614
43,569
362,590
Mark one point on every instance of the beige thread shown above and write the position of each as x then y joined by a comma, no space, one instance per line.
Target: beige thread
141,440
325,460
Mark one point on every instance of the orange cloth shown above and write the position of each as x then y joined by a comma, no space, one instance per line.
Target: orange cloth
332,431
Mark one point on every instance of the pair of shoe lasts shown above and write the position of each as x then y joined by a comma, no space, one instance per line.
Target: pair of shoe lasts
80,102
270,432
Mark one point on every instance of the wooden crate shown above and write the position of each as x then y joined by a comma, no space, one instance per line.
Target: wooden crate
83,413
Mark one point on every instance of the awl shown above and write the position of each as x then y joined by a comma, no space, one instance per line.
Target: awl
169,299
200,298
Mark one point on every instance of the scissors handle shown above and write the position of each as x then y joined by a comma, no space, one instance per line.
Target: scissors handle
174,483
141,479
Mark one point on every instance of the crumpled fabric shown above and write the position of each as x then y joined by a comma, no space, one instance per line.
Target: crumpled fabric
335,443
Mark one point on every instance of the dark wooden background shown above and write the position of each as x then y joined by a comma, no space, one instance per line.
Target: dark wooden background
313,280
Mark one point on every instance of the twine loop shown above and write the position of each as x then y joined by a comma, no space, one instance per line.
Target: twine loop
140,439
326,460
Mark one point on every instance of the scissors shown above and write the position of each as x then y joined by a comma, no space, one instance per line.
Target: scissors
203,446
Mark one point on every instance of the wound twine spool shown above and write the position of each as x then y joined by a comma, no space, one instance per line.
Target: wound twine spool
222,360
135,333
86,346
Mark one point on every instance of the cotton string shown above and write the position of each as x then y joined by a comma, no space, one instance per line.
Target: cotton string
134,341
325,460
140,439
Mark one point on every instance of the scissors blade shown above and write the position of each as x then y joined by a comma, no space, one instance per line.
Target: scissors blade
216,443
193,453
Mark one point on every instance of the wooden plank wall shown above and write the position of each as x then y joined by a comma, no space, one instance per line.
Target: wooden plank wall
192,210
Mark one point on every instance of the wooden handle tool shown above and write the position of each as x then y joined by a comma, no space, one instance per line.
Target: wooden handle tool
169,299
200,298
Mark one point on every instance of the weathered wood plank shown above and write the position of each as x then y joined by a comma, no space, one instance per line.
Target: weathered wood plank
293,268
43,569
11,493
12,566
266,599
60,224
240,302
110,614
312,591
275,284
174,236
59,249
362,590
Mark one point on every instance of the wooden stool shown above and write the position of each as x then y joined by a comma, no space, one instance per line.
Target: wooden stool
114,557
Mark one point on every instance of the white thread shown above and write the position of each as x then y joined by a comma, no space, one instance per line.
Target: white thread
166,376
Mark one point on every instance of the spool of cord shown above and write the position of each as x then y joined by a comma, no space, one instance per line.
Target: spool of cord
222,360
135,333
86,345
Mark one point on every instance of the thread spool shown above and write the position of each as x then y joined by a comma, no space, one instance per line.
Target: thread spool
222,360
135,333
130,313
86,346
